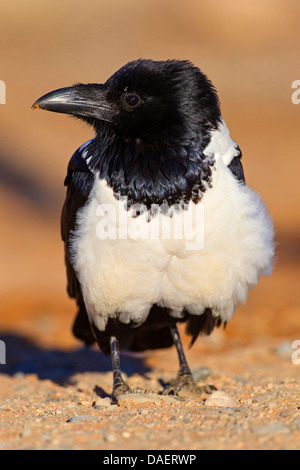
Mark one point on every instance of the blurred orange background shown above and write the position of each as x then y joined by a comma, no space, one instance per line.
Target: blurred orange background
250,51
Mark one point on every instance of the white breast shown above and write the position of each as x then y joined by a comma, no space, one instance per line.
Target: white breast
126,265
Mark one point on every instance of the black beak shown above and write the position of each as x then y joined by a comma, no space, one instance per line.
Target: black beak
79,100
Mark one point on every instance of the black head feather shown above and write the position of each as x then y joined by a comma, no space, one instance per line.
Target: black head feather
153,121
152,150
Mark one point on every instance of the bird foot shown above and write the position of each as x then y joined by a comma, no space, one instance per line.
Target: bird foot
185,387
124,389
139,390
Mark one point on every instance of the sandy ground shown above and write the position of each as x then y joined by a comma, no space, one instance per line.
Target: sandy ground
50,384
49,401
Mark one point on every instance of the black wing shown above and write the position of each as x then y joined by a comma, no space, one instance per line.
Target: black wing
236,167
79,182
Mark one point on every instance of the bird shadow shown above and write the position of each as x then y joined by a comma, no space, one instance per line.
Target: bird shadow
23,356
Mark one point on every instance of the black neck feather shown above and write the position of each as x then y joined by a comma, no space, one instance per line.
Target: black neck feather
160,172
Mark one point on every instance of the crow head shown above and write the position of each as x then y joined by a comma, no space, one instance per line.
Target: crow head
153,120
145,100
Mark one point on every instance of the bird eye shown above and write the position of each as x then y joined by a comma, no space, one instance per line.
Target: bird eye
132,100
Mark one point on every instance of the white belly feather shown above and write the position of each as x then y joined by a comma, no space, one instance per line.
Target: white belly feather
125,277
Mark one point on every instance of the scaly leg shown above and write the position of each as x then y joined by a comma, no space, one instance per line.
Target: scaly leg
184,385
120,387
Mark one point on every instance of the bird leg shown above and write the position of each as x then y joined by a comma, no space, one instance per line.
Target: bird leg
184,385
120,387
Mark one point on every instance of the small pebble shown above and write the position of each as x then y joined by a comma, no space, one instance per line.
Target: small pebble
109,437
284,413
77,419
201,373
19,375
219,398
102,403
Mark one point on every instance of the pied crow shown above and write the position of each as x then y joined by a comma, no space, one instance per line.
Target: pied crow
158,223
